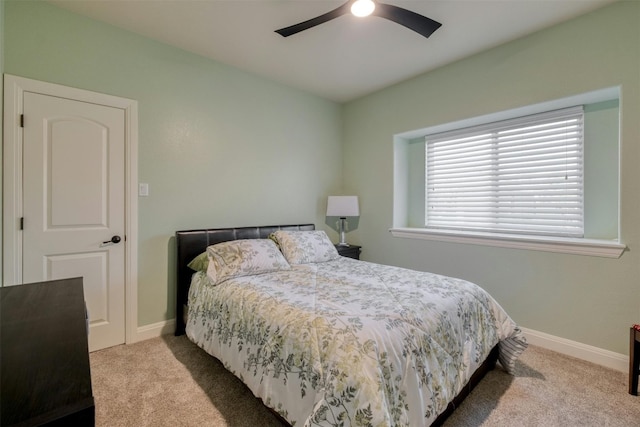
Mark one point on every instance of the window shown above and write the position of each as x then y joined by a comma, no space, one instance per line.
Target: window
541,177
522,176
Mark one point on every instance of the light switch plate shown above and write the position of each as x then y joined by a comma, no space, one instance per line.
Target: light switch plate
143,189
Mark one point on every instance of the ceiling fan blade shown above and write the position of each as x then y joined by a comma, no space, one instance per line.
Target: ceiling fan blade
414,21
335,13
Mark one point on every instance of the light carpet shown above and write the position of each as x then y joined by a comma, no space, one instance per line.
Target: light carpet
169,381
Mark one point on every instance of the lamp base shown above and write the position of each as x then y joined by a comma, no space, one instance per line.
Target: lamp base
342,228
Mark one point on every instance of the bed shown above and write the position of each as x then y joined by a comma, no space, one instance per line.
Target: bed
326,340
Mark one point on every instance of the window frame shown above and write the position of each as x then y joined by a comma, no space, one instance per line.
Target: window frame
567,245
609,246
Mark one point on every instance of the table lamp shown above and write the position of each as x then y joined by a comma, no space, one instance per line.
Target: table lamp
343,207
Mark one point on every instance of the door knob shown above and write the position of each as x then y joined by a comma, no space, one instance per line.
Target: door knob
114,239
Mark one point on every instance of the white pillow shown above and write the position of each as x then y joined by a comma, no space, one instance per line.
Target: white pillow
245,257
304,247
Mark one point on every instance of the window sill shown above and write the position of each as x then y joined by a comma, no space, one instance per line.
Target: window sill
591,247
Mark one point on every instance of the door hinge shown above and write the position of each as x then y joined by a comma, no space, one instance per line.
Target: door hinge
21,223
21,120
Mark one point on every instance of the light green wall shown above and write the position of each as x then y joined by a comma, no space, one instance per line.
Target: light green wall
601,169
2,104
218,147
586,299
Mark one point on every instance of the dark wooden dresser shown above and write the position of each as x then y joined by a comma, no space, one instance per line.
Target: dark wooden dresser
45,376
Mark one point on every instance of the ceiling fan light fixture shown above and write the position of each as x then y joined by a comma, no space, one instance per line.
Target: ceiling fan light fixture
362,8
412,20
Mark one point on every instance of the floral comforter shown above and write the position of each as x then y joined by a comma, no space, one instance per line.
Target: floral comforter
348,342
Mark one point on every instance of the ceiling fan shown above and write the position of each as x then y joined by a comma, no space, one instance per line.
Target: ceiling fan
414,21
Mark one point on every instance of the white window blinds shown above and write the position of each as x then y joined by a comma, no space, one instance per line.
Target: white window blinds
520,176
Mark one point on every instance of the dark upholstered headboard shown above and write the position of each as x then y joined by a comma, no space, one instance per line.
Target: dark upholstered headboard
191,243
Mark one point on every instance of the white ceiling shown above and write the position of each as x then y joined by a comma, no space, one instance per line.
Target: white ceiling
340,60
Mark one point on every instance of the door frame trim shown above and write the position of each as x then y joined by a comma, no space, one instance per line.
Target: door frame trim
14,88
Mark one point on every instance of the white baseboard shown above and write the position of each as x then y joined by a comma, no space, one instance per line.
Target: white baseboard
599,356
155,330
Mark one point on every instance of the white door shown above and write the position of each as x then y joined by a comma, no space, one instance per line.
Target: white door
74,204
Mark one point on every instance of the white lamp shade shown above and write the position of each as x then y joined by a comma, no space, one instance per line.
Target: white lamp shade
343,206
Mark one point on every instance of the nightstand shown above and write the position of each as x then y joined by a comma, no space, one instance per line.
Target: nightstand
351,251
